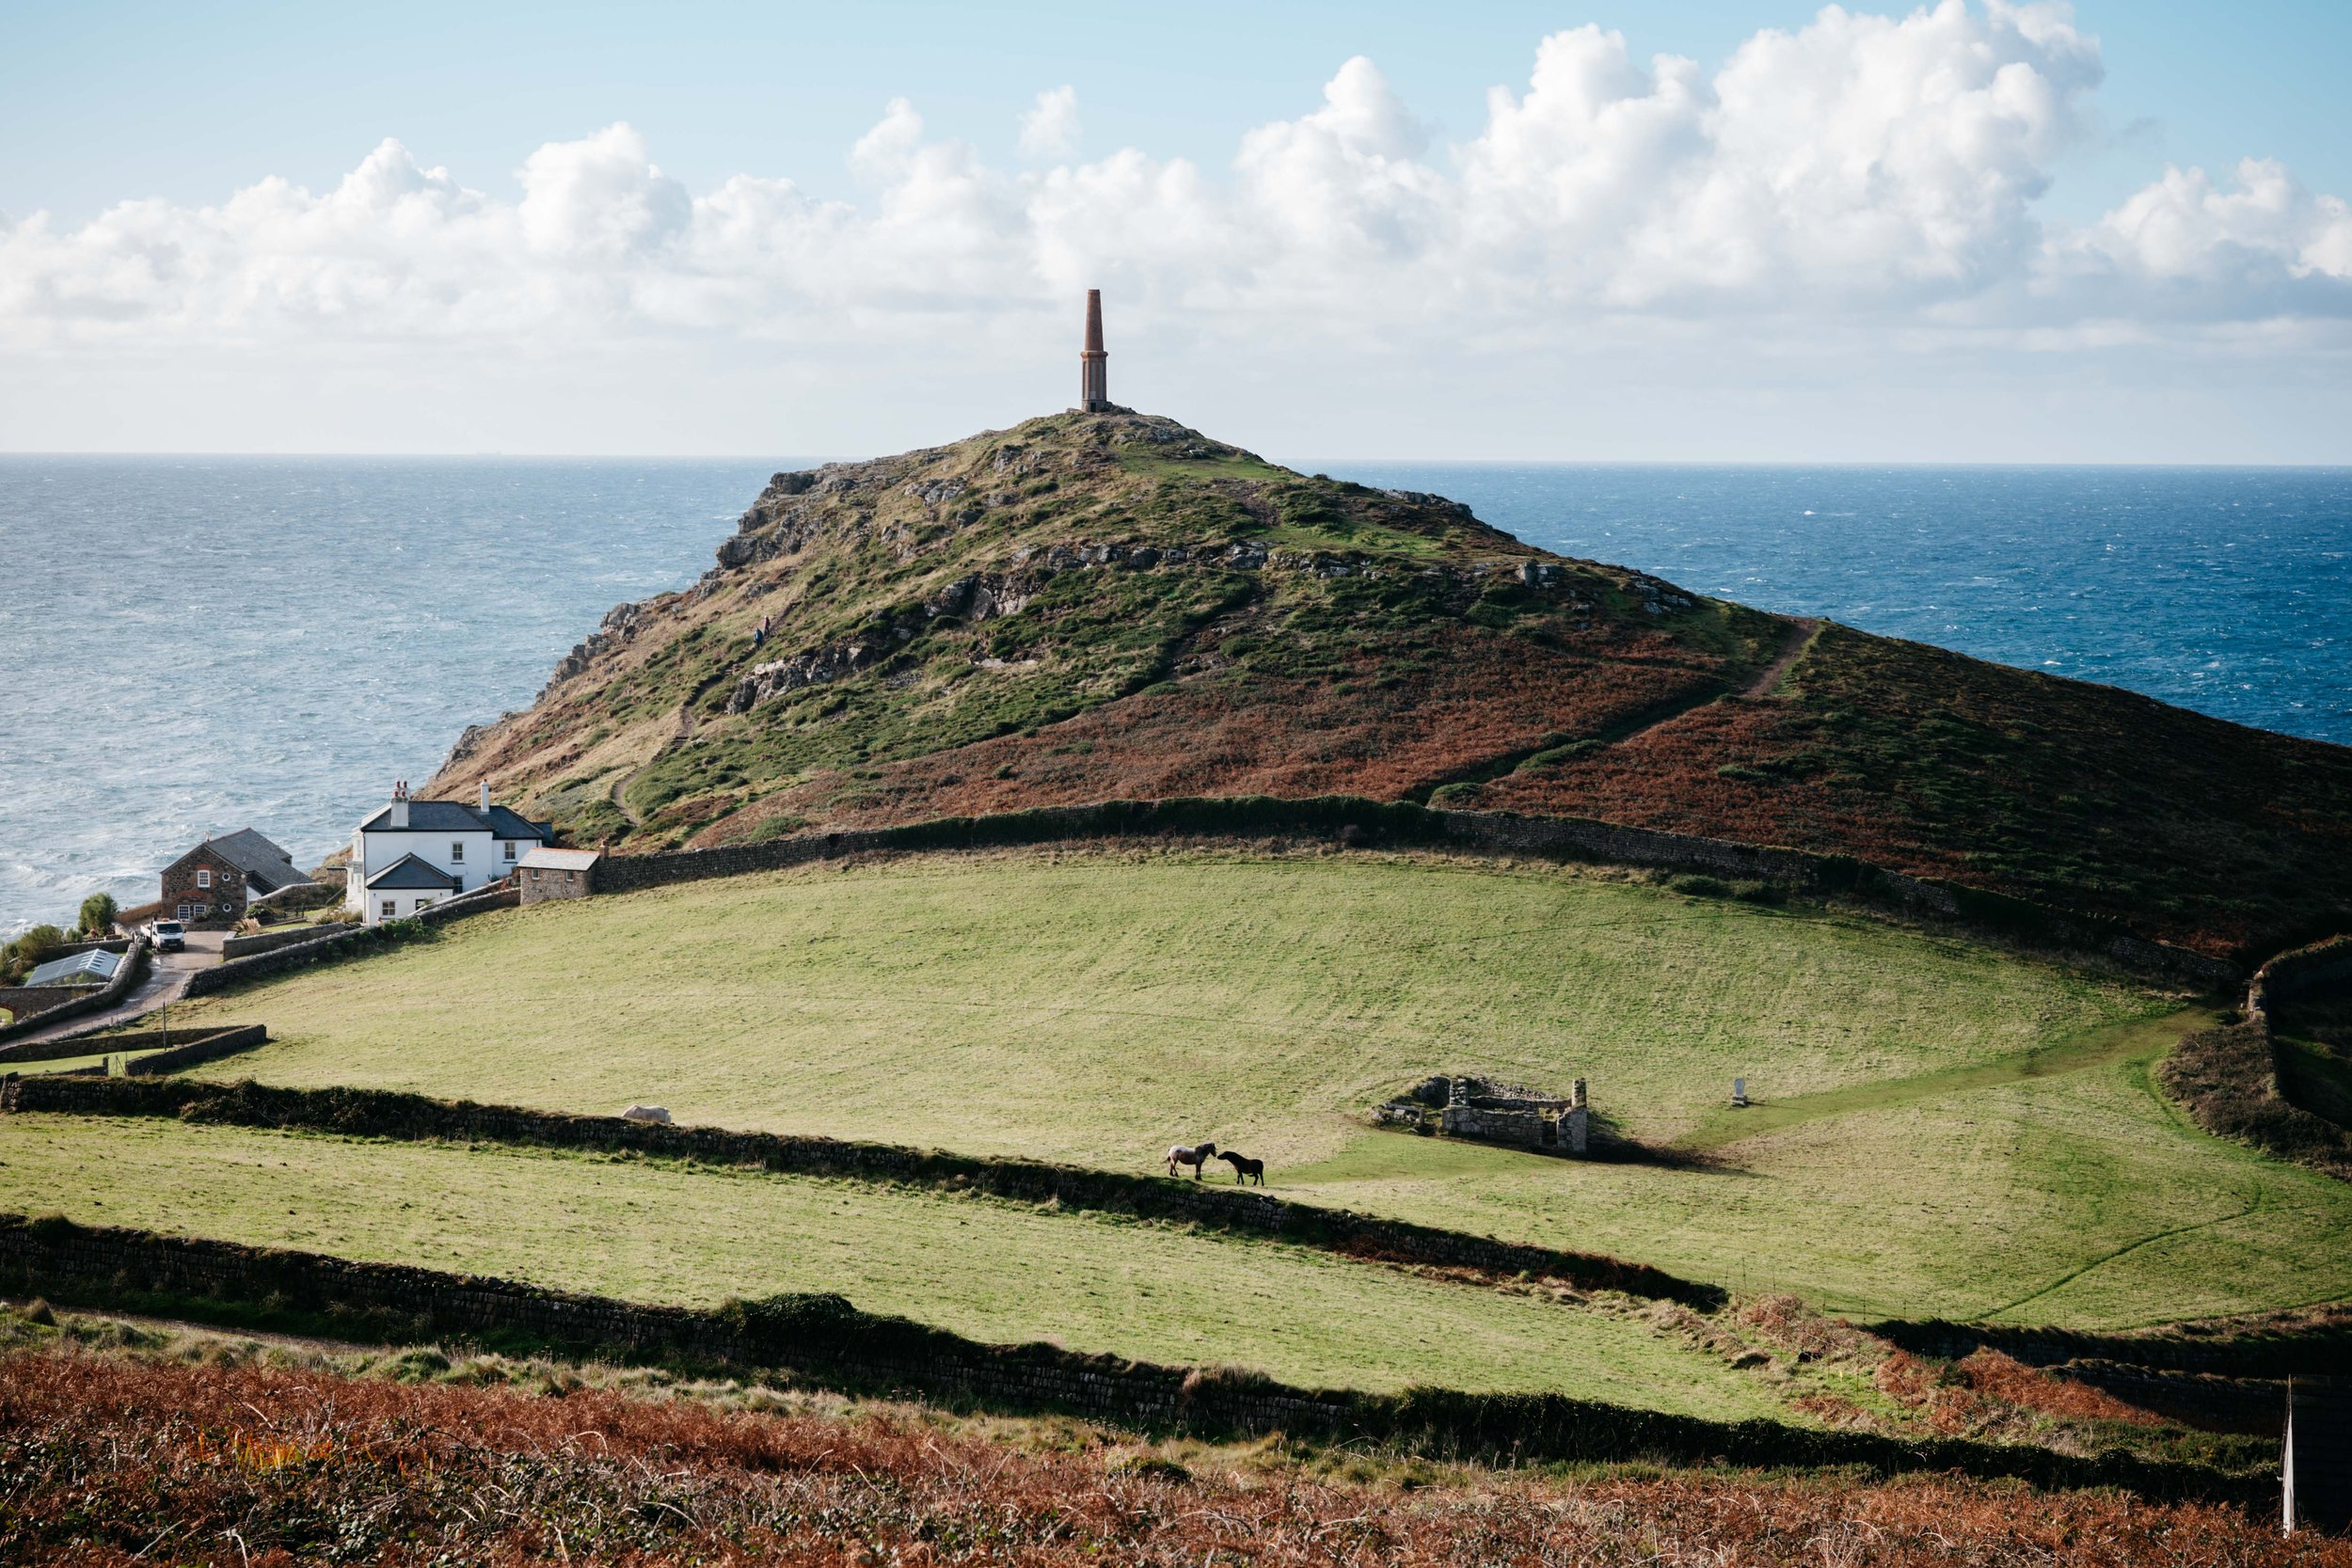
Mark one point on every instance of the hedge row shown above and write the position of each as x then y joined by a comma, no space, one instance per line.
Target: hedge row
823,1339
411,1118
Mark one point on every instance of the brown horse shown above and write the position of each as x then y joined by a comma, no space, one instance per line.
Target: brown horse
1245,1168
1190,1154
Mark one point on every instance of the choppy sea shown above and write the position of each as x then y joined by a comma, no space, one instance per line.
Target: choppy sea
200,644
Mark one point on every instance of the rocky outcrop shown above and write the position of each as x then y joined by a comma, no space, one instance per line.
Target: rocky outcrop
619,624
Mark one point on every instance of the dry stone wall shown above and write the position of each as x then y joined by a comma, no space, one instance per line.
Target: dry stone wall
128,974
823,1339
232,948
344,942
23,1002
384,1113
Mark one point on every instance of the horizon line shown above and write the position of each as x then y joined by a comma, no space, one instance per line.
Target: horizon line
1299,466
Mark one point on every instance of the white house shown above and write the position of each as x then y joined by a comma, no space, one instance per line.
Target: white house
414,853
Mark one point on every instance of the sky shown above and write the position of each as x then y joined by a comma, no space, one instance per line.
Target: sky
1721,230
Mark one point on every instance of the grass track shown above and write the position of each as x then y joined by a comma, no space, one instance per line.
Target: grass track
995,1271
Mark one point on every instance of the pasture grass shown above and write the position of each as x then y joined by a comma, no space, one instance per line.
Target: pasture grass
1945,1128
1098,1006
662,1232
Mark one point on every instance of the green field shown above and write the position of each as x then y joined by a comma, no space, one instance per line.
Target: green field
992,1270
1945,1129
1098,1008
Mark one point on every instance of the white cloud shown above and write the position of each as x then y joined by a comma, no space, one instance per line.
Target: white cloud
2184,227
1049,128
1861,176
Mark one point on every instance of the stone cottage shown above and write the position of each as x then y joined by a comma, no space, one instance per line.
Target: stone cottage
210,885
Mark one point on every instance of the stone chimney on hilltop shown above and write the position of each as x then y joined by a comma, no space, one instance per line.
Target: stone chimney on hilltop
400,805
1094,388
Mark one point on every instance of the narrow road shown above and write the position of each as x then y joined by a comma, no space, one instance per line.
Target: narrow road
166,980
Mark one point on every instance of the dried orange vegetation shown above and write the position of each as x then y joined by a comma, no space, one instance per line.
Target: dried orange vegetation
1479,696
108,1461
1991,1394
2081,796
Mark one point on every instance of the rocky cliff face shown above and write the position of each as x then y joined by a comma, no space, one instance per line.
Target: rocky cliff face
1092,607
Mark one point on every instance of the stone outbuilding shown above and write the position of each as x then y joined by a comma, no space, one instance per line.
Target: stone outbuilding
557,874
211,885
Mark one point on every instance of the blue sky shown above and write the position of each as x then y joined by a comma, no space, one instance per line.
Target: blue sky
99,102
2205,322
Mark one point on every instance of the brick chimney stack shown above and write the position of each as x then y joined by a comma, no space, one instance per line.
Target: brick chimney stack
1094,389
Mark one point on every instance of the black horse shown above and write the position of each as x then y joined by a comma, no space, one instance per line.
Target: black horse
1245,1168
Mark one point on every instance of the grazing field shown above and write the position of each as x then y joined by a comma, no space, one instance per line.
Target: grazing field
993,1270
1098,1008
1945,1128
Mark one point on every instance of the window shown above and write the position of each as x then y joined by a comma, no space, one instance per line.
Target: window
203,878
456,853
423,904
387,911
185,913
203,910
510,848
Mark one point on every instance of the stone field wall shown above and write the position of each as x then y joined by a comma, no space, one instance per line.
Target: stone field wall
128,974
270,942
382,1114
342,941
824,1341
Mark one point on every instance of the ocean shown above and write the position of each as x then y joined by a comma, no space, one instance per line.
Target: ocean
196,644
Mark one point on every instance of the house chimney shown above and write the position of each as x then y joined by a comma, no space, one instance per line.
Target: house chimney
400,805
486,797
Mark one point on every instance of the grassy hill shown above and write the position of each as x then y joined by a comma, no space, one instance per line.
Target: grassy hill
1947,1129
1102,607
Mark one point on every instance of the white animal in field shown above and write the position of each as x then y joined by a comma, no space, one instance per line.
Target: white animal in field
1194,1155
646,1113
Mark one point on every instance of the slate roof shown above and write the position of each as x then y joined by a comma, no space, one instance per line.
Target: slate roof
431,816
265,864
509,824
409,874
78,968
559,859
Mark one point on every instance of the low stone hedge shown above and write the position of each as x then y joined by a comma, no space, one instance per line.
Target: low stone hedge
386,1114
825,1340
344,941
2235,1082
1355,820
25,1003
232,948
129,973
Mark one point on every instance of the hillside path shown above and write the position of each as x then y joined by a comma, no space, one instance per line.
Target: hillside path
1802,629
